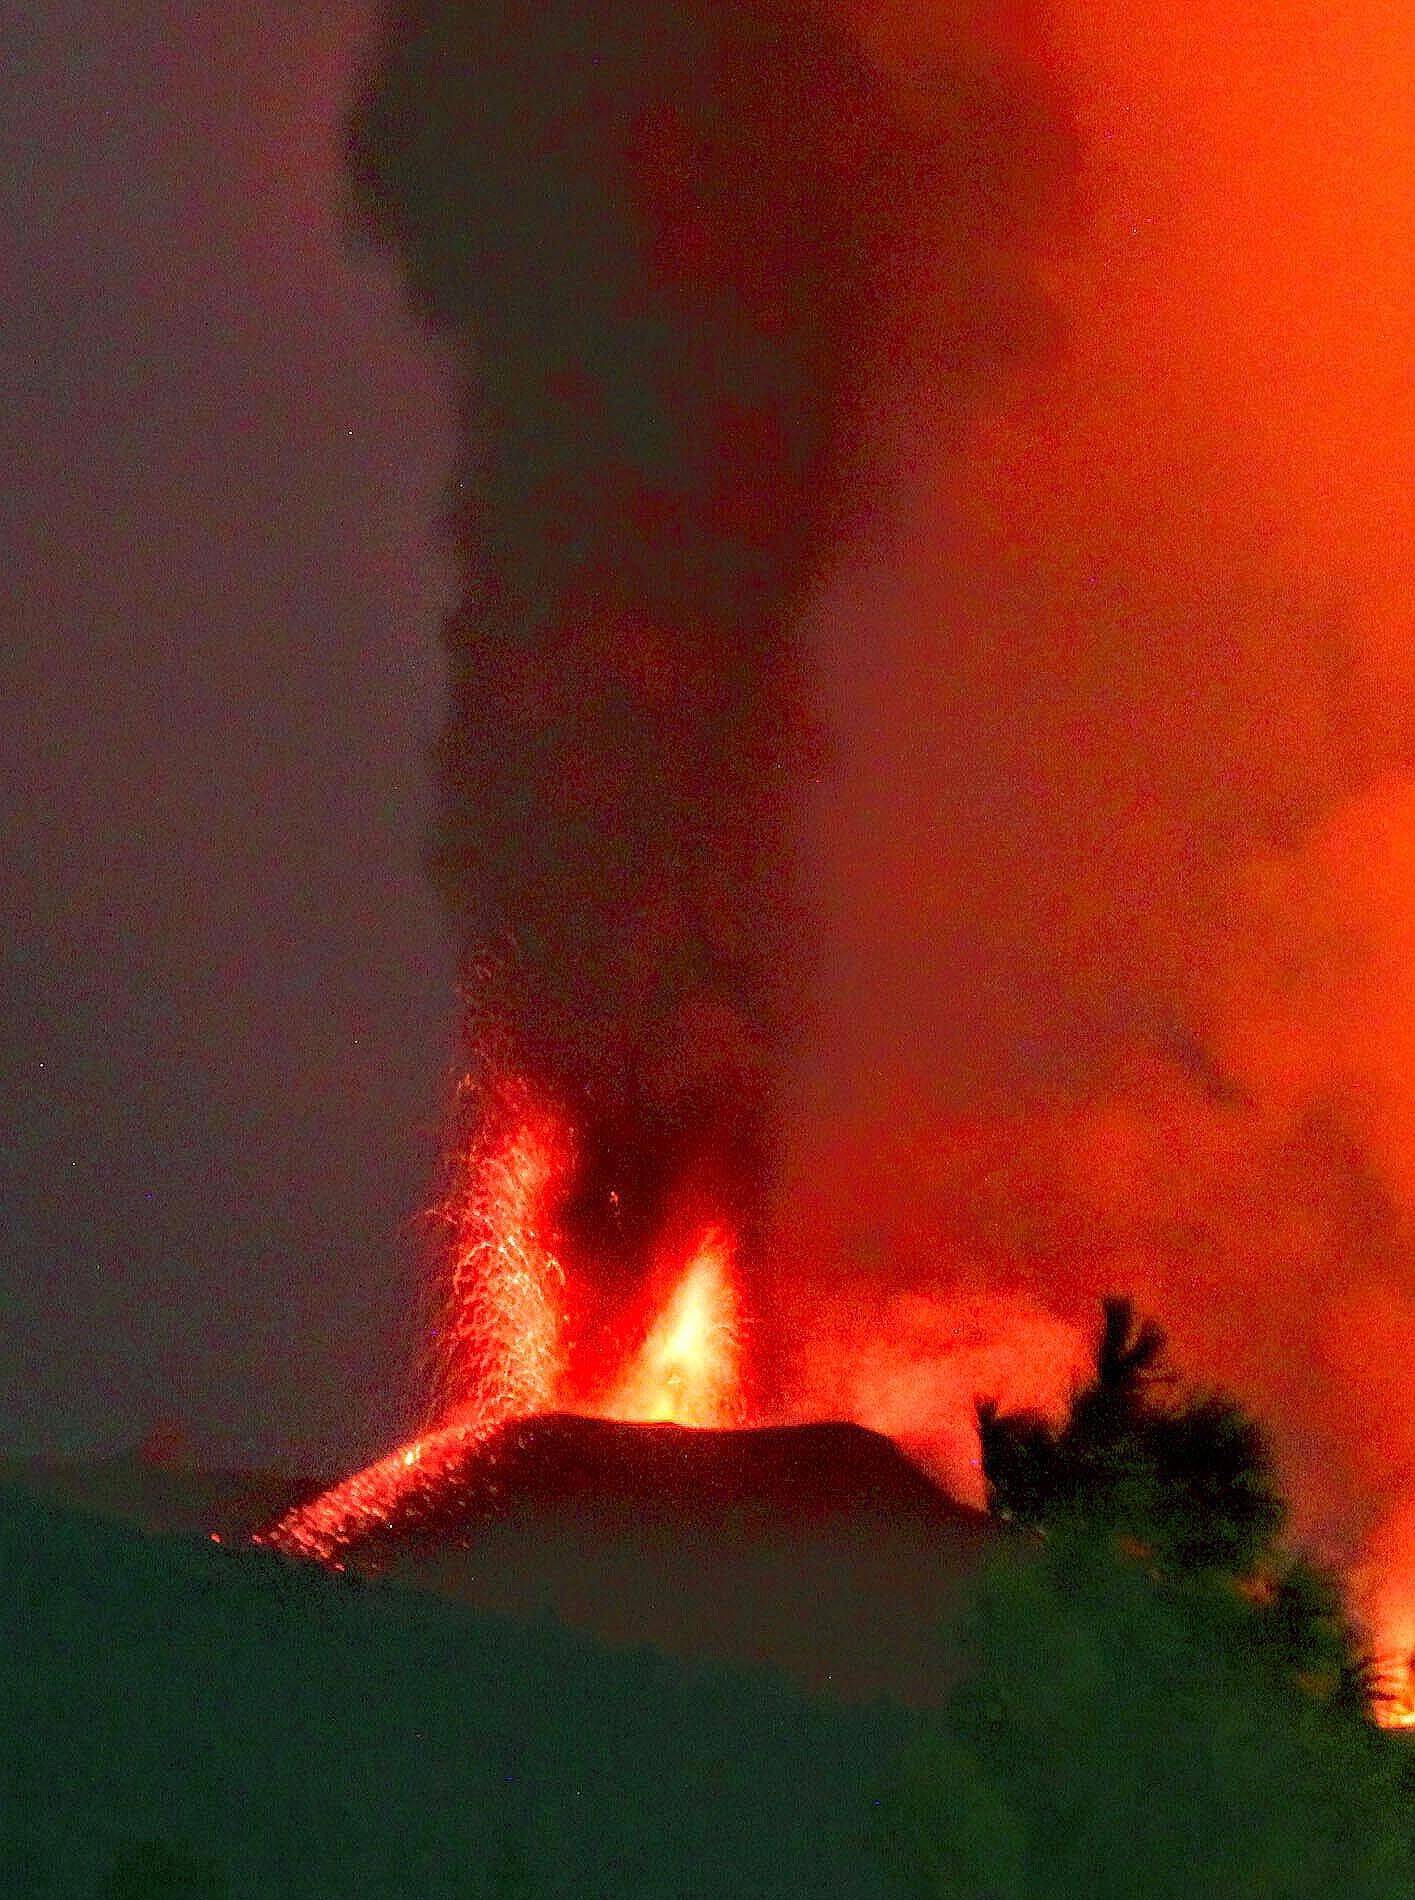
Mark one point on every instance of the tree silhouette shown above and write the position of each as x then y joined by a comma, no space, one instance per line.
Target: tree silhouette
1129,1355
1191,1481
1019,1463
1216,1498
1110,1738
1186,1484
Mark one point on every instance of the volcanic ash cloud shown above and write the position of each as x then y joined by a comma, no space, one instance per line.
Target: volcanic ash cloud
686,256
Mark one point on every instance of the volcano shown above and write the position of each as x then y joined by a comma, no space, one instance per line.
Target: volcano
613,1476
819,1550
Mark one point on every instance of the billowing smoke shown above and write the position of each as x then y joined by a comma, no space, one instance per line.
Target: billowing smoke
1115,846
687,252
931,745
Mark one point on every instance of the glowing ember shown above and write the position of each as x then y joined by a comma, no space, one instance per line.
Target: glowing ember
501,1352
686,1371
1394,1703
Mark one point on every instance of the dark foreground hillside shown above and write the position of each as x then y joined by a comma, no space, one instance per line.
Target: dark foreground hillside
280,1731
817,1550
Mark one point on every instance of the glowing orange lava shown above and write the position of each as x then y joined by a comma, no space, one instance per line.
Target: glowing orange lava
1381,1591
686,1371
357,1505
502,1355
1395,1705
1394,1702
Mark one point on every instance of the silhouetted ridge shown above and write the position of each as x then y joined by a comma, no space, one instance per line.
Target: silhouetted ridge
180,1500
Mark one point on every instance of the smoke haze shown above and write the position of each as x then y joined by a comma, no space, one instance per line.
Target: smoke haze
682,254
1115,850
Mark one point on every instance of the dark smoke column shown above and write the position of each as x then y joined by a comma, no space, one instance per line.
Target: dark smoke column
680,248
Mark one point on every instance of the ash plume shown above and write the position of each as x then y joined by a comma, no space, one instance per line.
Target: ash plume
686,256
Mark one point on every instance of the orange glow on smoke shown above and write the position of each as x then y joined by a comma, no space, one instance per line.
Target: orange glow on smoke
686,1371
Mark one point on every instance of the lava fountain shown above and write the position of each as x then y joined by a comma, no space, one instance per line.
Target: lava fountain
503,1345
687,1370
500,1348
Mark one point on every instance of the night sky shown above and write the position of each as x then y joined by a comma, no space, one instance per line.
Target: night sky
227,999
